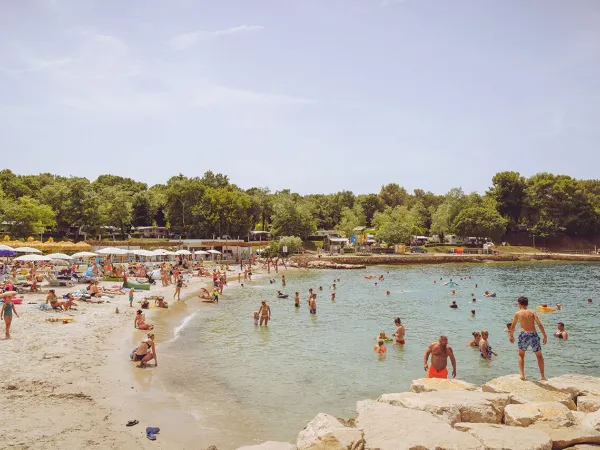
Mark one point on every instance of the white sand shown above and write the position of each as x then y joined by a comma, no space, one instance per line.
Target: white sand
73,386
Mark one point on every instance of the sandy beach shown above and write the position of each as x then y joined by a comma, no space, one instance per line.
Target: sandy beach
73,384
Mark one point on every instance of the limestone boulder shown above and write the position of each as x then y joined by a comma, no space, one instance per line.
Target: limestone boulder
576,385
588,403
592,420
269,445
582,432
523,415
438,384
454,406
387,427
502,437
528,391
584,447
325,432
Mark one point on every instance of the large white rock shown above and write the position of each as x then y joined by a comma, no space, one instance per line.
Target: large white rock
528,391
588,403
502,437
592,420
576,384
387,427
326,432
438,384
523,415
580,433
454,406
269,445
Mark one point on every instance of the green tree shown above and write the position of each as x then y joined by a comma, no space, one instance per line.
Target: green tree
480,221
351,218
395,225
509,192
182,194
224,211
117,208
291,218
370,203
393,194
143,210
27,216
12,186
293,244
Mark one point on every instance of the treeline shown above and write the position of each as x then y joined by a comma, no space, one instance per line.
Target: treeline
545,204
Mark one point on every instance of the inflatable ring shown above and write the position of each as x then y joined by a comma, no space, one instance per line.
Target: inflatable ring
545,309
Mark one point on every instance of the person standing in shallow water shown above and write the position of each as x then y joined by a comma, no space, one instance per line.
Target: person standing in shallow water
439,351
528,336
265,313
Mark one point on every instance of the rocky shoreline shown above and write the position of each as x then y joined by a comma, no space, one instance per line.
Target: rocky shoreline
503,414
358,262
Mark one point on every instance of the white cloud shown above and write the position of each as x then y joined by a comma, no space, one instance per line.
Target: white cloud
224,96
186,40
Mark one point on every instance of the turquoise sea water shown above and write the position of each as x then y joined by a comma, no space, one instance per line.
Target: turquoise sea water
247,384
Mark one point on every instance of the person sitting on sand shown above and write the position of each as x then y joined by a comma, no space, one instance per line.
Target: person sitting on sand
159,302
561,333
140,321
53,300
145,352
145,303
476,339
95,290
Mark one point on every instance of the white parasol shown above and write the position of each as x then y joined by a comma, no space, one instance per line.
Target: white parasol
112,251
200,252
214,252
183,252
32,258
59,256
84,255
27,250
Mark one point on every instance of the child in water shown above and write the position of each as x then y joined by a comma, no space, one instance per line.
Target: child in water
380,347
383,337
255,318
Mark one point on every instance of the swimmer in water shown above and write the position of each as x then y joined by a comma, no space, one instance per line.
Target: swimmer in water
561,333
476,339
400,331
380,347
507,329
558,306
320,288
387,293
297,300
333,296
474,300
589,300
255,318
333,287
454,305
472,313
381,278
383,336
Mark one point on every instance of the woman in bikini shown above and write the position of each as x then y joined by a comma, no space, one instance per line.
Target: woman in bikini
145,352
476,339
140,321
484,346
265,313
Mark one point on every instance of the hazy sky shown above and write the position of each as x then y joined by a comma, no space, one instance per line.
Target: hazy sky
311,95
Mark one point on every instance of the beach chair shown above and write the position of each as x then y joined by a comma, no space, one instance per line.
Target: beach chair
59,283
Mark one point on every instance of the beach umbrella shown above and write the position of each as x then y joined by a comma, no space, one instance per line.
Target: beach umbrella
161,251
27,250
32,258
112,251
5,250
183,252
214,252
83,255
200,252
147,253
59,256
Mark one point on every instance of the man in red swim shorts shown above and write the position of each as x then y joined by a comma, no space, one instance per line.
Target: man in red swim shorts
439,351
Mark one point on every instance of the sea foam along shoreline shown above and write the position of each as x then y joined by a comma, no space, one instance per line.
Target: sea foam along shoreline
439,414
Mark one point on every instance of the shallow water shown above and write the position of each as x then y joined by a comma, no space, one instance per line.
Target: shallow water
247,384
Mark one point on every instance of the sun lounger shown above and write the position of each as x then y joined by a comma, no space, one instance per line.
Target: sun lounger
58,283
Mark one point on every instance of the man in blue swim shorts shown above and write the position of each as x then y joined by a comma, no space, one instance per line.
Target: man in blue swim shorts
528,336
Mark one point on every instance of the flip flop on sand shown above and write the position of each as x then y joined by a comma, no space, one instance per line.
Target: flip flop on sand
150,433
132,422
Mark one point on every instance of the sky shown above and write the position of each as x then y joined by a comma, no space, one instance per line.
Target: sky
316,96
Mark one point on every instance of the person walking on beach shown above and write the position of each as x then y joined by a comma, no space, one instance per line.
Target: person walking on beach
528,336
399,334
439,351
131,294
264,313
7,311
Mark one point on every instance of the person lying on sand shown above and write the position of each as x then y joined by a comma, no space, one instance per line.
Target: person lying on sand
205,295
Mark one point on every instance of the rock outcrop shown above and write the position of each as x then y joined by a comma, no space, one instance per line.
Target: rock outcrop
505,414
529,391
388,427
326,432
438,384
454,406
502,437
